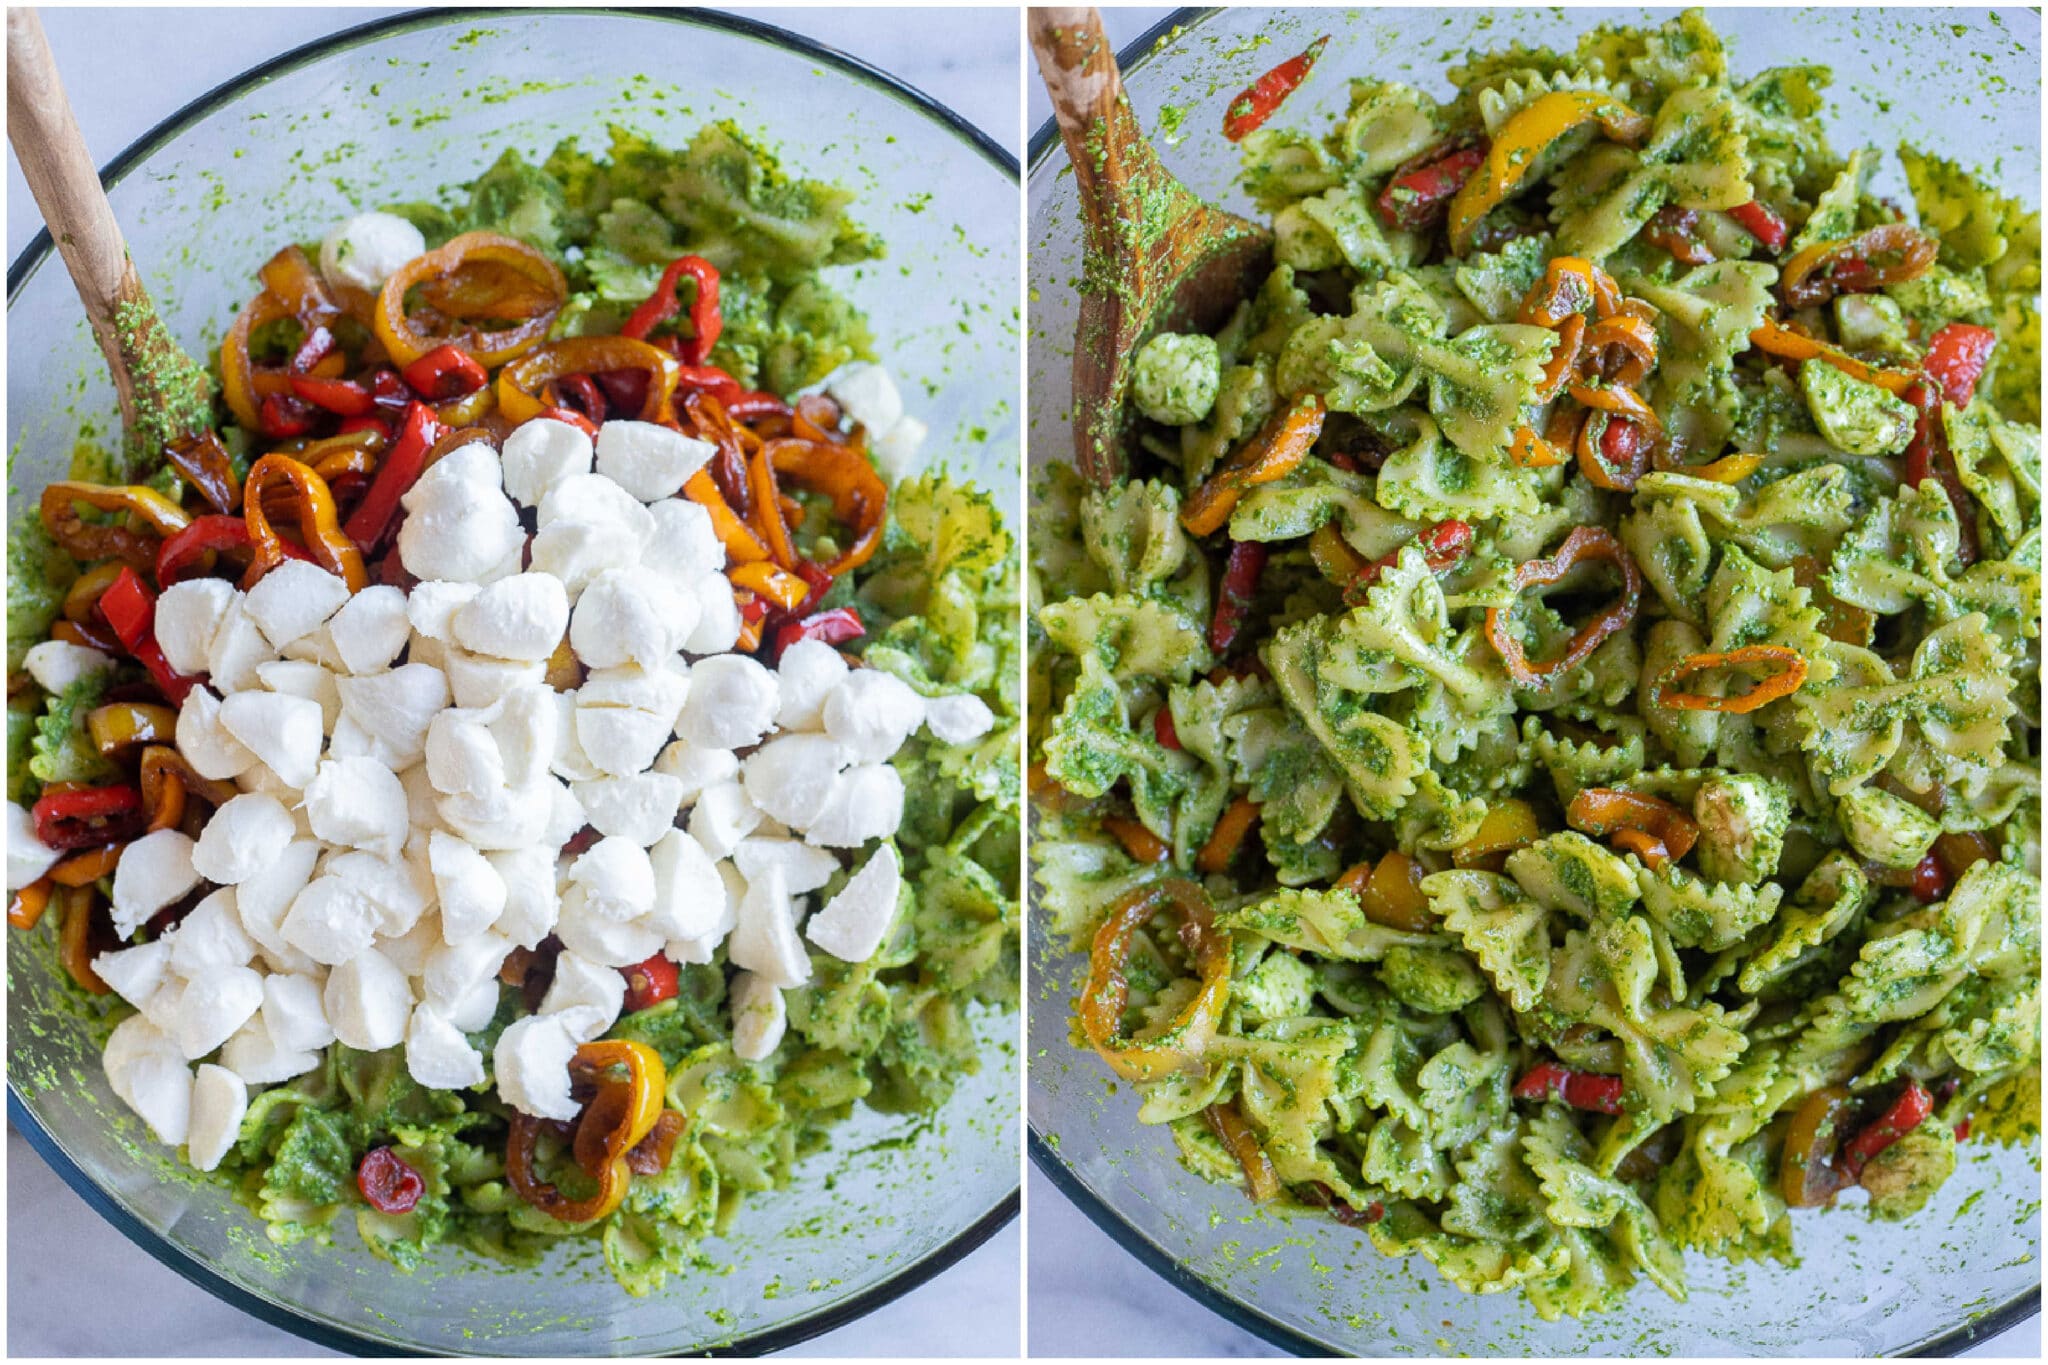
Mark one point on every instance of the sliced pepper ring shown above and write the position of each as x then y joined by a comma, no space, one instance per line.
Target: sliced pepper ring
521,385
1531,451
1631,334
1564,357
1261,1181
842,473
627,1084
1570,285
509,277
1890,253
1584,543
1108,989
1791,675
319,523
242,385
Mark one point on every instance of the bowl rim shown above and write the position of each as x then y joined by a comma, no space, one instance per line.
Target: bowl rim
1045,140
825,1319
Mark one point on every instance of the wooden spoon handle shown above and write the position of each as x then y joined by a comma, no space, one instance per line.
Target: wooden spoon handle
174,394
1111,159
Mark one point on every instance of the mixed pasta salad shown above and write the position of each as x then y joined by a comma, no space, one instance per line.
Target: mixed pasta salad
1541,744
533,756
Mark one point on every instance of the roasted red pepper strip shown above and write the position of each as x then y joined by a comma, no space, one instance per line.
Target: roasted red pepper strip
445,372
88,817
185,555
343,397
401,468
1580,1090
1257,101
282,417
1907,1112
1234,596
834,627
1418,195
1163,728
706,321
130,608
1956,358
1443,545
573,418
649,983
1761,223
387,1182
1928,457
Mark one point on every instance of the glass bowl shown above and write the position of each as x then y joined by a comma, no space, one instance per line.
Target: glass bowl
391,111
1962,1270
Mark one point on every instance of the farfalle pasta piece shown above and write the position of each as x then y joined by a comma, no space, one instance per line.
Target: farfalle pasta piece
1568,873
1670,1056
1945,721
1506,931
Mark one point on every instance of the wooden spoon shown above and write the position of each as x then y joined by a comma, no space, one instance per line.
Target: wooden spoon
164,393
1155,258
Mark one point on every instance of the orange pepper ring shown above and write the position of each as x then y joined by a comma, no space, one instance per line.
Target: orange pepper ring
1262,1182
1727,469
520,382
1228,835
1774,338
404,344
1632,334
1142,844
1107,989
1762,693
841,472
239,381
1621,401
1551,302
1585,542
319,523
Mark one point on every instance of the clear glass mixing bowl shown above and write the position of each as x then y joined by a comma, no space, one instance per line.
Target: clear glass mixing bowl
392,111
1964,83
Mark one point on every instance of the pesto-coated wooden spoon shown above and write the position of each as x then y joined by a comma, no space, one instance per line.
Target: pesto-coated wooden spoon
1155,258
164,393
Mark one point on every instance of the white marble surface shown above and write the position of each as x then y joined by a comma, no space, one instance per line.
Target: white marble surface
63,1257
1087,1296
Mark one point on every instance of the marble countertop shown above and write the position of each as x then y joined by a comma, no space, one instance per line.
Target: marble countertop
1087,1296
58,1304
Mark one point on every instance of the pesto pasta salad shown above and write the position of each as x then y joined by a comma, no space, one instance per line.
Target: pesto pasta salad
1541,744
532,755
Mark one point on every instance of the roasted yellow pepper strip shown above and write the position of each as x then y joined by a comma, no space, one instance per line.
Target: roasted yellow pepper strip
1523,139
90,541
